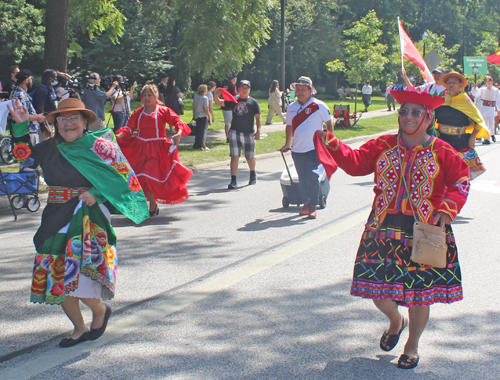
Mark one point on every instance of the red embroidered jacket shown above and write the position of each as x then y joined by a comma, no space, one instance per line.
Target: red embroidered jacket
436,176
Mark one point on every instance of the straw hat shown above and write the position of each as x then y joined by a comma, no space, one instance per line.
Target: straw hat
460,77
71,104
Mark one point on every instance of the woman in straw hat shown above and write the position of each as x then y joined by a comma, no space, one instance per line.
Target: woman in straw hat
438,183
459,122
76,256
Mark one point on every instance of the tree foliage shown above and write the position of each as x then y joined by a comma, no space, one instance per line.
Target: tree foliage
217,37
365,58
21,32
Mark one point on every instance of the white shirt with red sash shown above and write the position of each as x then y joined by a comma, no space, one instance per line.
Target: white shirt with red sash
305,120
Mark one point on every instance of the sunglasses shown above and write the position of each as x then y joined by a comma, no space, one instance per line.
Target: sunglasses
414,112
62,120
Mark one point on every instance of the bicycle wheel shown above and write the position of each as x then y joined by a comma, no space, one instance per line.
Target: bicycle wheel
6,151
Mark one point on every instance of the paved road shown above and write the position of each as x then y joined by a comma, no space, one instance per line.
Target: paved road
229,285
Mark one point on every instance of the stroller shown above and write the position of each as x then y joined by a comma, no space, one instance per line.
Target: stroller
343,117
290,185
16,186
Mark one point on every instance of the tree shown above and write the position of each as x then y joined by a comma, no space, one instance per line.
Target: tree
365,59
217,38
21,34
95,16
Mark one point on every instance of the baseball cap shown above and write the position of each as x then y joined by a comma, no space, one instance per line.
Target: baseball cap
22,75
439,70
245,82
303,80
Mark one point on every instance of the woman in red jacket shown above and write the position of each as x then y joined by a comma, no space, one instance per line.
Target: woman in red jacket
437,179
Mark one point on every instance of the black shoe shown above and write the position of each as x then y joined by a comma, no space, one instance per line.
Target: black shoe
494,138
232,185
486,142
406,362
155,212
96,333
253,179
68,342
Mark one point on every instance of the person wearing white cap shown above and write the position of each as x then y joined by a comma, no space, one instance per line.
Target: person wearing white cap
304,117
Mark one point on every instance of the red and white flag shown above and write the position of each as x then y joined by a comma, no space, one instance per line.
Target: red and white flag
409,51
494,58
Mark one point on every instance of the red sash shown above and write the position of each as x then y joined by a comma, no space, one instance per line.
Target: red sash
303,115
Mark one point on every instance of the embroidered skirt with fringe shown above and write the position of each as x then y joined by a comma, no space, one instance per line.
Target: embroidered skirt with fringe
85,247
384,270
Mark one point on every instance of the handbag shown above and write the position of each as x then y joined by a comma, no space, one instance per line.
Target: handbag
429,241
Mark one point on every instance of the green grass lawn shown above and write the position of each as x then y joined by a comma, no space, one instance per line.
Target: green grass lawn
219,150
378,102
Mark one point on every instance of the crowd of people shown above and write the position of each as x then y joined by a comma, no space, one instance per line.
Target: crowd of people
422,175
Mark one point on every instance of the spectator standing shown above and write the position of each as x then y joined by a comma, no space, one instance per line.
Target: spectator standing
488,102
10,85
120,103
366,91
304,117
389,98
23,81
162,87
210,95
242,134
172,95
94,100
201,114
45,96
227,112
274,102
61,92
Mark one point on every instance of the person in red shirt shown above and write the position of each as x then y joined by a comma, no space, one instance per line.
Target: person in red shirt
438,181
152,155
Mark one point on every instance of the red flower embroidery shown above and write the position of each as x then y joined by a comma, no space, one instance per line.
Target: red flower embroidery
57,289
133,184
102,238
106,150
122,168
39,281
22,151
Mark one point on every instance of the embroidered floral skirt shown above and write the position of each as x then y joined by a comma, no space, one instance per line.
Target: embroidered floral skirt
85,247
472,159
383,269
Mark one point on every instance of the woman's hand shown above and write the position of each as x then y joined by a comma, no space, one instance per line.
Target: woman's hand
120,135
442,218
19,113
472,141
87,198
40,118
177,137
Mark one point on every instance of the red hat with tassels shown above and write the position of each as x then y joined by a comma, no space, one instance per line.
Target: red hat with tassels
417,97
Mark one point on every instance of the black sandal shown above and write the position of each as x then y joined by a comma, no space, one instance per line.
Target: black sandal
406,362
388,342
69,342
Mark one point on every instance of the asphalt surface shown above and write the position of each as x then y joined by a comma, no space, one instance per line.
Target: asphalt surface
229,285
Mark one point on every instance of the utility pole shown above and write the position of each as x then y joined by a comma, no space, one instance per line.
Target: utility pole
282,80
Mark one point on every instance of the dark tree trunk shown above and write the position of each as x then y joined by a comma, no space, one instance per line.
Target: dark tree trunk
56,35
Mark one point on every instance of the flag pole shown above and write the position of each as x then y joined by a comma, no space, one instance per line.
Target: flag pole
401,45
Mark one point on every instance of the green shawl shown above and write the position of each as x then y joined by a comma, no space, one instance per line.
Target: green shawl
98,157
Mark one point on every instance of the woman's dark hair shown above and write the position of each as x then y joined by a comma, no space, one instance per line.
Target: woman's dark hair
62,80
47,75
273,87
170,85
